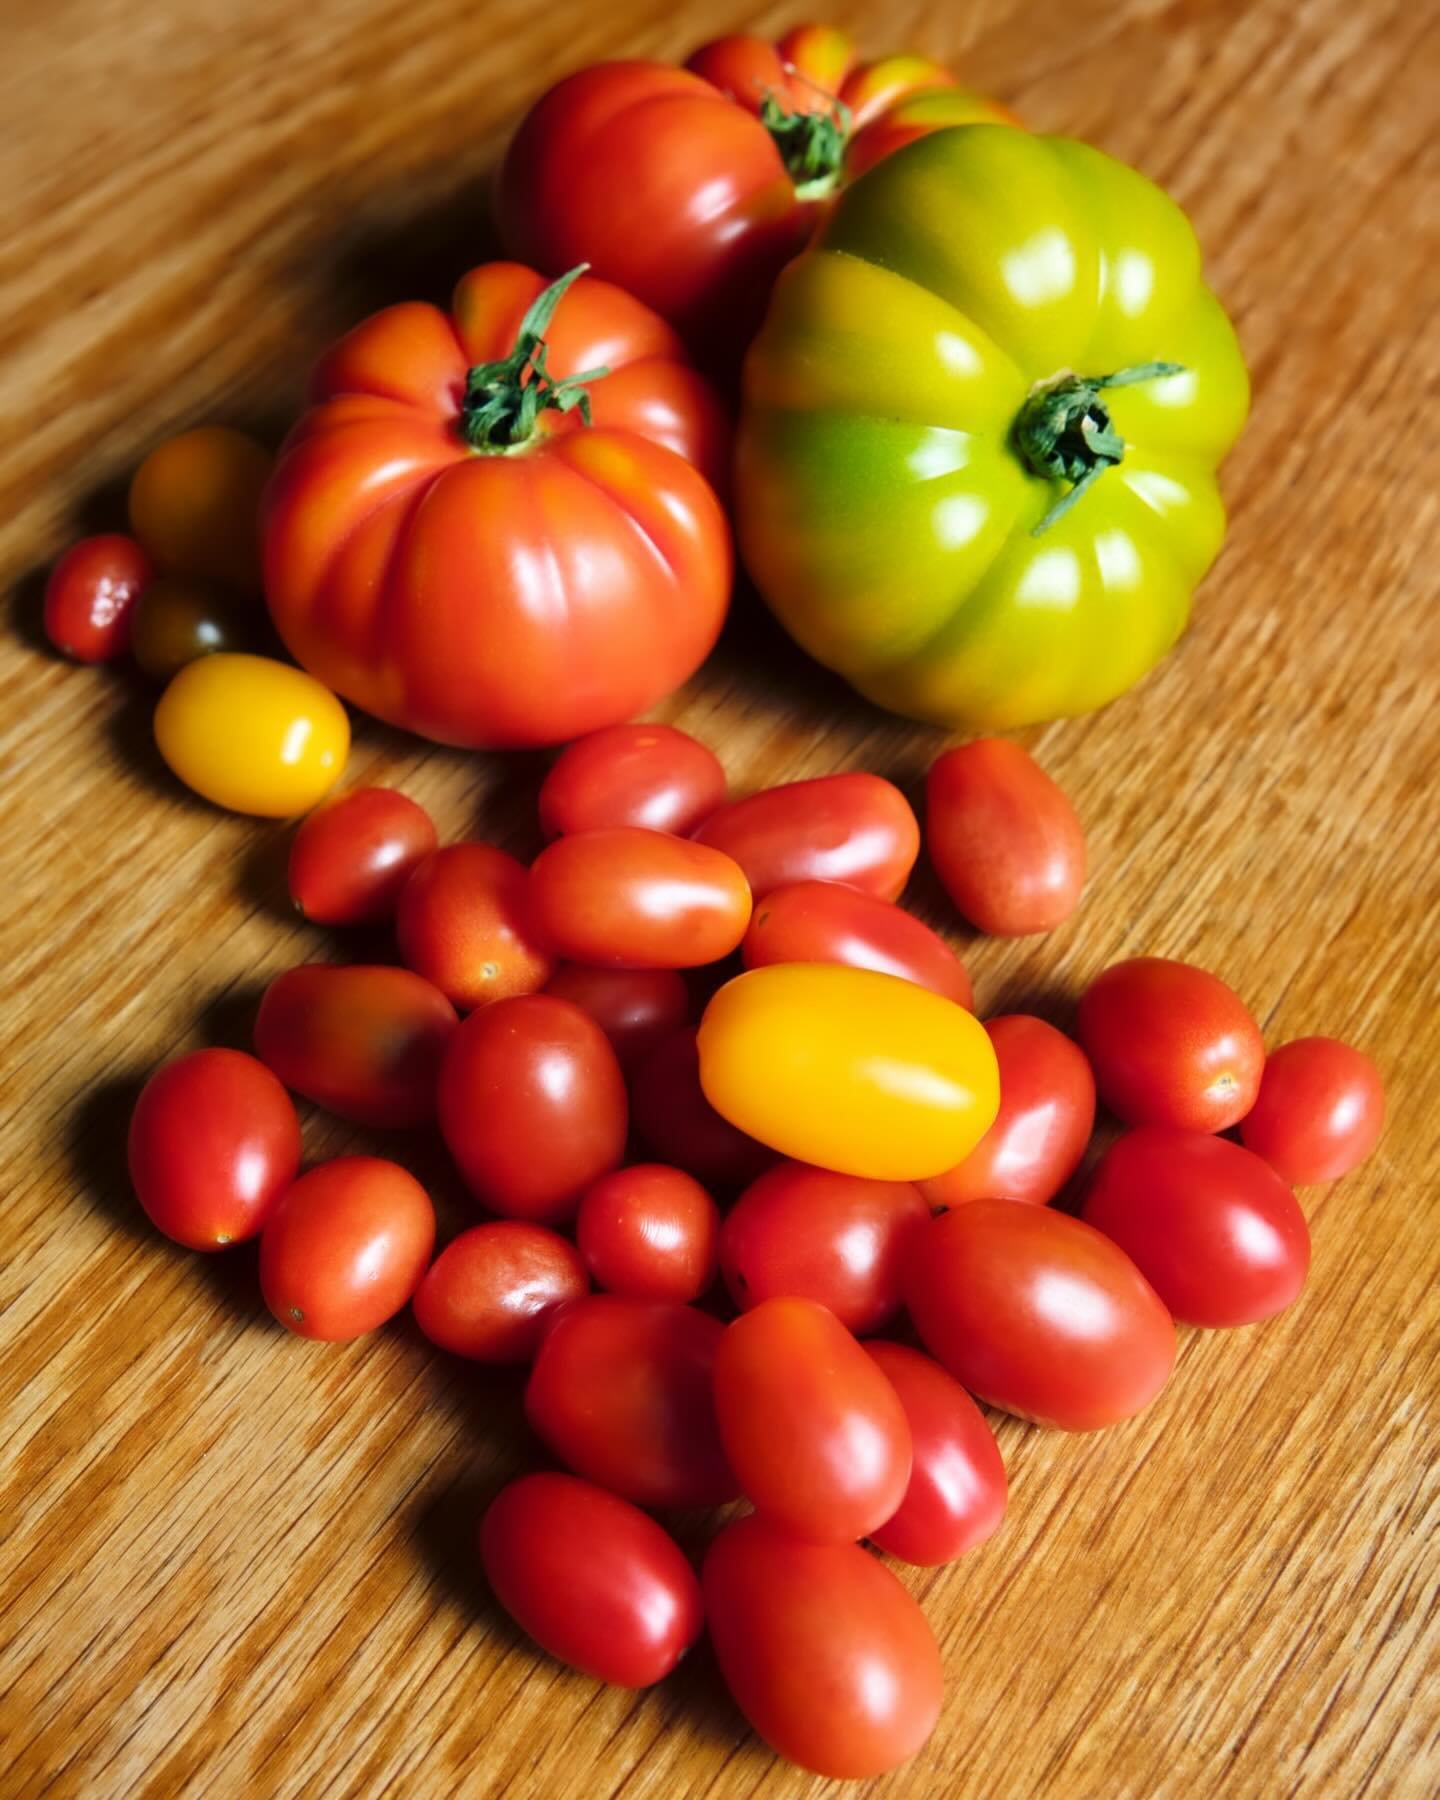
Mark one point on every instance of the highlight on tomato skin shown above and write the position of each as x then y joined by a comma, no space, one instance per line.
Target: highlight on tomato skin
1319,1112
854,828
827,921
649,775
650,1231
351,857
492,1293
91,596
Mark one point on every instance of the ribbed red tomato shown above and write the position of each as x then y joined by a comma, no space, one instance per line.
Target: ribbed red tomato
650,775
491,1293
465,921
857,829
352,856
825,921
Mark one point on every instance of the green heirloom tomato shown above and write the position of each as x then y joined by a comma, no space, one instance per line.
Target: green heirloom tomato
977,459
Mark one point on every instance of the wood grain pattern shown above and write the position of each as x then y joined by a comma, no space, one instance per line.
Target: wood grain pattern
238,1565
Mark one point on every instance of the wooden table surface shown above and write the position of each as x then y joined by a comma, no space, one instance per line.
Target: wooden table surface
235,1564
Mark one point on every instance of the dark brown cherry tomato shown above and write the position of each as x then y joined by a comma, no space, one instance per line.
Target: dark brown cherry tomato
623,1391
635,1008
679,1125
353,855
532,1106
214,1142
650,775
591,1578
1319,1111
465,921
824,921
91,594
178,620
649,1231
365,1042
490,1294
856,829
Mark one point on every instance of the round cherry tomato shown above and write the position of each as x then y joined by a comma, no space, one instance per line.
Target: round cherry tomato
635,1008
178,620
623,1391
365,1042
1212,1228
957,1492
838,1239
650,775
681,1127
828,1657
352,856
1039,1314
650,1231
1319,1111
1004,839
823,921
195,505
532,1105
214,1142
91,595
466,921
491,1294
856,829
591,1578
345,1248
1170,1045
1047,1111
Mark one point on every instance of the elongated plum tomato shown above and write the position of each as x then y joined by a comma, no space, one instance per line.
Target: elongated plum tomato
491,1293
352,856
1319,1111
857,829
1004,839
591,1578
1170,1045
195,505
679,1125
1212,1228
214,1142
827,1656
824,921
623,1391
1047,1110
853,1071
466,922
345,1247
635,1008
91,596
1039,1314
650,775
178,619
650,1231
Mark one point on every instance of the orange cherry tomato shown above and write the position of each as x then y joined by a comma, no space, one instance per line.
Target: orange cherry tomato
492,1292
352,857
650,775
824,921
650,1231
466,921
91,596
195,505
635,1008
856,829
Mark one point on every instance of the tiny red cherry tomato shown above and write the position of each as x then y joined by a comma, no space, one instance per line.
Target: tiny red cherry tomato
679,1125
635,1008
465,921
824,921
345,1247
650,775
214,1142
91,594
177,620
1319,1111
595,1581
491,1293
650,1231
352,856
1170,1045
857,829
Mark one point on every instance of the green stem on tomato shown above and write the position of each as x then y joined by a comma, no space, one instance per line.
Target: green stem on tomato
811,144
504,399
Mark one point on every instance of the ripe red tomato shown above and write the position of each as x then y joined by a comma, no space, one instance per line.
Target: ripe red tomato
466,922
491,1294
90,595
1004,839
352,856
214,1142
591,1578
1170,1045
813,1430
828,1657
957,1492
1212,1228
1047,1111
345,1248
635,1008
824,921
841,1240
650,775
856,829
532,1105
1039,1314
365,1042
623,1391
1319,1111
649,1231
680,1126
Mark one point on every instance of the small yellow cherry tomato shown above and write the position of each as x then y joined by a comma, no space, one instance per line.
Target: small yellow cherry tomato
852,1070
195,505
252,734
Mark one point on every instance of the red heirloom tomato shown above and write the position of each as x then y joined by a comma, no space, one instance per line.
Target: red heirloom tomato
1319,1110
649,1231
635,1008
532,1106
1170,1045
681,1127
491,1293
449,545
622,1391
1039,1314
365,1042
90,595
214,1142
957,1492
1047,1110
840,1239
591,1578
650,775
1212,1228
856,829
465,921
824,921
828,1657
352,856
813,1430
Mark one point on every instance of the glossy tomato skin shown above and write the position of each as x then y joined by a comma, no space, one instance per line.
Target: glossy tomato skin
648,775
351,857
1319,1112
1004,839
91,595
635,1008
623,1392
1047,1112
857,829
345,1247
837,1239
532,1106
491,1293
214,1142
679,1125
466,921
649,1231
1170,1045
825,921
957,1492
195,505
595,1581
826,1654
1212,1227
177,620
